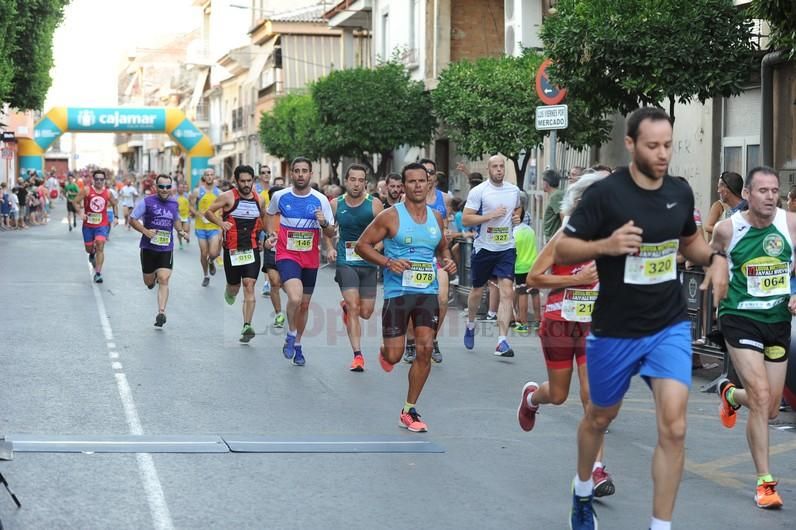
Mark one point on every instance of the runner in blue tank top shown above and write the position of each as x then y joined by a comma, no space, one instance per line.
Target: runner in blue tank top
413,236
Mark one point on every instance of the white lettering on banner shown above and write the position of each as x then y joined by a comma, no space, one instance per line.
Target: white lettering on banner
117,119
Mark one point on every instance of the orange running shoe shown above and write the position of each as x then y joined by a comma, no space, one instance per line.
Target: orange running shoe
726,410
387,367
358,364
767,497
411,420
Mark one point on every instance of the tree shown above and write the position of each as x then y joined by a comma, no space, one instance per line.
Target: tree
781,15
366,112
32,56
490,105
8,10
622,55
290,129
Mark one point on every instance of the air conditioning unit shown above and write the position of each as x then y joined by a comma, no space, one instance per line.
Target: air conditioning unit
522,20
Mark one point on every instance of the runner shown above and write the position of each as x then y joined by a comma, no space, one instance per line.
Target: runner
493,207
70,191
272,274
243,220
354,211
183,209
303,214
525,246
395,189
565,325
128,194
412,233
632,224
91,202
112,207
262,186
755,318
156,217
207,234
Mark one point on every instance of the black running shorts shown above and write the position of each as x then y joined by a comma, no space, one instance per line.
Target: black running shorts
422,309
152,260
236,274
772,340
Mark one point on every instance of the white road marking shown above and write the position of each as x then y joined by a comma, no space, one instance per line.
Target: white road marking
111,345
116,365
113,355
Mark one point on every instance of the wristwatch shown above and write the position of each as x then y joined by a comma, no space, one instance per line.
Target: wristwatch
716,253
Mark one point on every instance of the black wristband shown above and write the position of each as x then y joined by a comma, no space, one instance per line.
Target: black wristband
716,253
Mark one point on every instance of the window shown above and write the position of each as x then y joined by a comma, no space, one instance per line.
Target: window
385,34
740,153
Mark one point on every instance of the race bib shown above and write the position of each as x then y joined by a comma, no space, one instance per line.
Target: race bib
769,279
350,253
299,240
162,238
241,257
94,218
420,276
578,304
497,234
654,263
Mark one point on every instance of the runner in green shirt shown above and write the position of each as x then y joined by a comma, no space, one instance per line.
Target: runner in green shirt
71,190
525,243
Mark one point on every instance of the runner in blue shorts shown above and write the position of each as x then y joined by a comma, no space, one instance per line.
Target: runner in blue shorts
633,223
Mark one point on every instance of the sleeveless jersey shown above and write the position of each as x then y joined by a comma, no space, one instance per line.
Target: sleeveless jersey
417,243
203,201
352,221
570,303
183,206
246,219
760,261
95,205
266,197
439,205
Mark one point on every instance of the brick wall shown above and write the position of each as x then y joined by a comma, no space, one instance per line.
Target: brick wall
476,28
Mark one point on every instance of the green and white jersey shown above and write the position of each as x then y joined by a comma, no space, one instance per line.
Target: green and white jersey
760,261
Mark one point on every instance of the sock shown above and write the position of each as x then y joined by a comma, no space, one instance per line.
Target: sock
297,344
730,395
657,524
357,353
470,325
408,406
597,465
291,333
583,489
491,313
247,324
501,339
529,400
764,478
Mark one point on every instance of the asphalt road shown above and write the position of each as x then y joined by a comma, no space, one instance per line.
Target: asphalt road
86,361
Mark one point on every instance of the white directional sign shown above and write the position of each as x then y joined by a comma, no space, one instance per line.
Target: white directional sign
552,117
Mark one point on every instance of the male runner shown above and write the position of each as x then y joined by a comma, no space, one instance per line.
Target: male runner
272,273
262,187
91,203
208,235
395,189
755,318
493,207
70,191
354,211
413,234
633,223
303,214
242,220
128,194
183,208
155,217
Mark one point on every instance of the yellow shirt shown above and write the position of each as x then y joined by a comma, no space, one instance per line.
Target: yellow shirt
183,206
266,198
204,201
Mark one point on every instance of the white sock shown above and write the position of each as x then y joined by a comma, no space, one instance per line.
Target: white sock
470,325
529,400
597,464
583,489
292,333
491,313
501,339
657,524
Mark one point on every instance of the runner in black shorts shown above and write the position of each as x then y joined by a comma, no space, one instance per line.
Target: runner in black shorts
272,275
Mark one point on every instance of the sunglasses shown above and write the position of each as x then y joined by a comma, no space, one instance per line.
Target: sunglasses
164,186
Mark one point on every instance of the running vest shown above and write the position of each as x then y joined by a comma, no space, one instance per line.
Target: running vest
573,304
352,221
417,243
439,205
204,200
95,206
184,206
760,260
246,219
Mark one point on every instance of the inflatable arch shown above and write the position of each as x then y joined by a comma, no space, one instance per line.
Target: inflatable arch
171,121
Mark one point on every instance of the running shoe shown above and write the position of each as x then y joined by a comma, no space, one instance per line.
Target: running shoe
411,420
205,281
279,320
766,496
535,325
603,483
726,411
344,314
228,298
97,277
160,320
267,288
582,515
247,334
504,350
288,350
211,267
436,355
526,414
488,318
469,338
386,366
70,228
521,329
298,357
357,364
410,354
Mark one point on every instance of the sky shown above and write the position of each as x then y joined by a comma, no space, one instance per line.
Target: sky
89,49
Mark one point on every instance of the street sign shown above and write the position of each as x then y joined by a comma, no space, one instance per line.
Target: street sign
552,117
549,93
7,154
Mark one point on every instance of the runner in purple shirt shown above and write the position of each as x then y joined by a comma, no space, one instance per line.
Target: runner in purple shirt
156,217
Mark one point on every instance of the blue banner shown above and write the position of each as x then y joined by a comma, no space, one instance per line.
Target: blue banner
116,119
30,163
45,133
187,135
198,165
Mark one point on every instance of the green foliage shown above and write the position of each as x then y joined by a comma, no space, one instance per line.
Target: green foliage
8,9
32,56
781,15
365,112
621,55
290,130
490,105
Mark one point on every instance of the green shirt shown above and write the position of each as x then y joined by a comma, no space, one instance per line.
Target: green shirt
525,243
71,190
552,219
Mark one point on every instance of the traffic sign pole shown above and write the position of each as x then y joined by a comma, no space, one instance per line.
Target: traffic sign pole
553,148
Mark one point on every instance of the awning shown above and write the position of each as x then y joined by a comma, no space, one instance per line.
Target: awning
260,59
198,89
355,15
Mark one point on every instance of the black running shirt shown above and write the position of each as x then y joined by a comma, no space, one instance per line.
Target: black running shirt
640,294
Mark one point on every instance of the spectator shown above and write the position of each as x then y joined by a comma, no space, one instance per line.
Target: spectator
5,206
22,201
552,213
14,209
792,199
575,173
